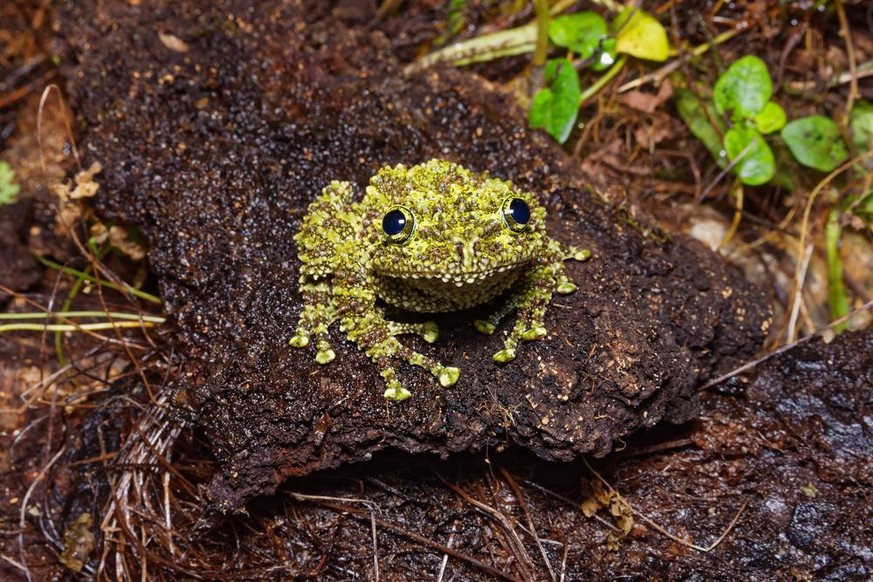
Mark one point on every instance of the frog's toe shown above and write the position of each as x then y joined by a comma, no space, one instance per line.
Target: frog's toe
448,376
505,355
299,341
534,333
396,392
430,332
581,254
483,326
325,356
566,288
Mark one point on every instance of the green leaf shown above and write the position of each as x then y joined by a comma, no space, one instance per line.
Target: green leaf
861,123
640,35
8,188
757,165
581,32
772,118
816,142
555,108
744,89
700,117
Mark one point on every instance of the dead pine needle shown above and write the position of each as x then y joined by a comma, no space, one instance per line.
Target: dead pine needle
505,522
425,542
531,527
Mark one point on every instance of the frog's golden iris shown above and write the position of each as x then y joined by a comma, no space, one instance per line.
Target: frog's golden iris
430,238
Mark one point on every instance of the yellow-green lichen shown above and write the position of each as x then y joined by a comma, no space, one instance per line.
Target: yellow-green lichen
430,238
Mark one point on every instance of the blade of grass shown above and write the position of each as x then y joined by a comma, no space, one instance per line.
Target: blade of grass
505,43
68,302
70,314
64,327
75,273
837,299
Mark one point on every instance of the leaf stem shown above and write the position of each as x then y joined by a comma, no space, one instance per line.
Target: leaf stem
541,52
602,81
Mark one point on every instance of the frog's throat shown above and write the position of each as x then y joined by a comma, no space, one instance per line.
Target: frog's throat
438,295
460,277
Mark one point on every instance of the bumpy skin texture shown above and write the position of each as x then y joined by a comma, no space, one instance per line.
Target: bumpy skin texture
458,245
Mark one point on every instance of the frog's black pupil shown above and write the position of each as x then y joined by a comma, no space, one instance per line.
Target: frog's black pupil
394,222
519,210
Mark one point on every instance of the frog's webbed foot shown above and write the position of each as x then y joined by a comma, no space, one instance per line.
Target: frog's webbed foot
394,390
564,286
375,336
532,300
315,318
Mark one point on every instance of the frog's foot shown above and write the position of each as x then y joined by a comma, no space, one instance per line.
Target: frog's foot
376,338
531,305
428,331
564,285
576,254
324,354
446,375
490,323
394,390
529,327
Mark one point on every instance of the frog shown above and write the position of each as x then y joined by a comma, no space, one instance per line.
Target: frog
430,238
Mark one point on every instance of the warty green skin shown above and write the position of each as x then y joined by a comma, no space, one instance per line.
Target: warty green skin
461,253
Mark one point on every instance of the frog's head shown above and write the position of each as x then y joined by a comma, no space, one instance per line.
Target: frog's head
446,231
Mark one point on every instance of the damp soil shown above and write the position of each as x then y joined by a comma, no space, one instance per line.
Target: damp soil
771,482
214,136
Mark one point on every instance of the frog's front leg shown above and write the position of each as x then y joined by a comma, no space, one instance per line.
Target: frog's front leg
532,299
316,316
365,325
374,335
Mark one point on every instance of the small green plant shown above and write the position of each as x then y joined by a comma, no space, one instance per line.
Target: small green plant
587,35
596,45
732,125
591,42
555,107
8,188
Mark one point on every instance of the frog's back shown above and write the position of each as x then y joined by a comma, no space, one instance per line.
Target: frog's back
328,227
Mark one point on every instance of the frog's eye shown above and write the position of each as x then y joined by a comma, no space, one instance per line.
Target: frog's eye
398,223
516,214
